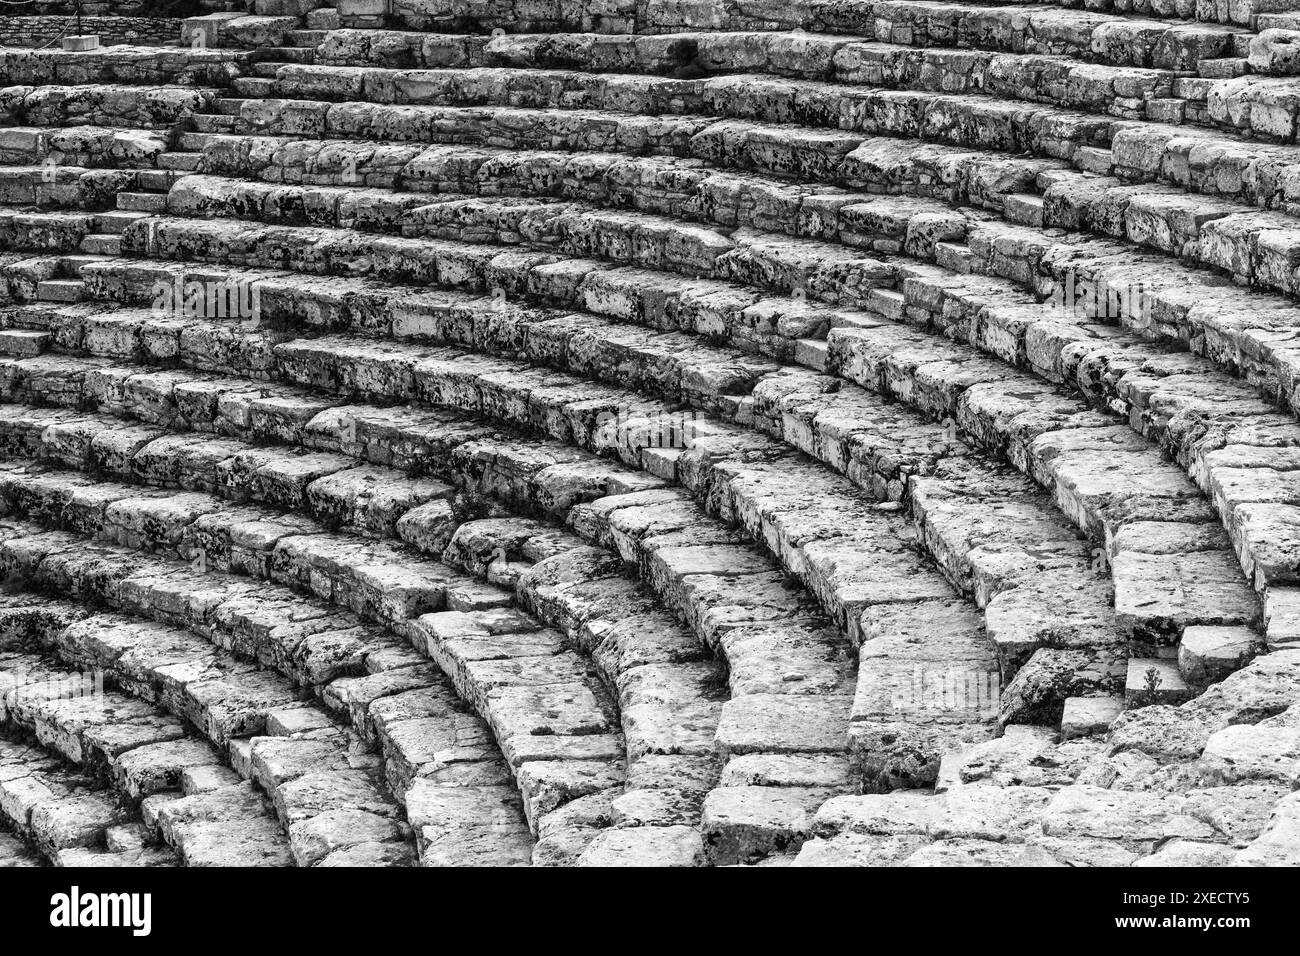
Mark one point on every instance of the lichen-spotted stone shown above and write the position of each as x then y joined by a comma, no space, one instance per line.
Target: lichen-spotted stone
675,434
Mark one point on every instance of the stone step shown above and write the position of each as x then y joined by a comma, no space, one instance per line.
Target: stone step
180,162
1223,68
276,56
79,145
729,104
115,223
1024,209
1220,233
21,342
1089,716
62,813
1013,810
1087,101
519,17
119,513
1206,655
1114,41
155,180
310,37
206,123
318,779
146,753
105,244
253,86
254,32
1148,562
322,18
142,202
204,32
1143,151
877,396
174,79
1152,217
410,528
758,647
883,541
770,411
1152,213
1144,563
61,290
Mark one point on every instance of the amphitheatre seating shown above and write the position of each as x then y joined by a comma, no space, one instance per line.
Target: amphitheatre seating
670,433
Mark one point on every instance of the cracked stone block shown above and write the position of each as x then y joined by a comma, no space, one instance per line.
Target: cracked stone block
1208,654
1279,844
1282,615
1246,754
767,723
741,824
1157,595
1275,52
1089,716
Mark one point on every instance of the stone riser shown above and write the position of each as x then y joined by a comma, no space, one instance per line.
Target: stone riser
1111,41
1071,90
627,17
131,65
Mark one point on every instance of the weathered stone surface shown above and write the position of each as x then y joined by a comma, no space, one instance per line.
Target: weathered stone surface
1085,716
1276,845
1206,654
742,824
666,434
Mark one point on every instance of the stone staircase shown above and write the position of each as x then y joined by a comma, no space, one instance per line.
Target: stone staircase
663,434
